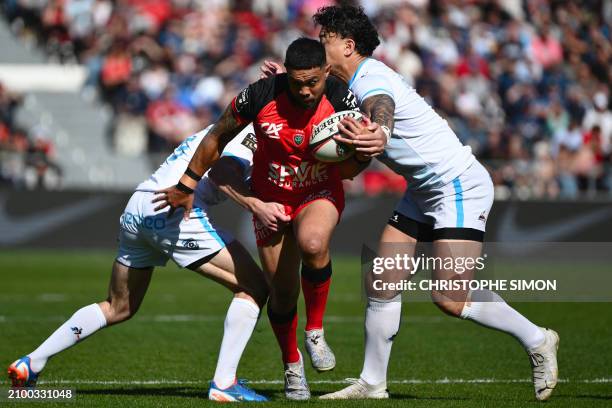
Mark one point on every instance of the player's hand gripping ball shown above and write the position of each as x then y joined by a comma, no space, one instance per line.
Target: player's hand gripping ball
322,143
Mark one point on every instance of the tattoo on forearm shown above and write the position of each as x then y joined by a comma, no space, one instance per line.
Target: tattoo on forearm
227,127
380,109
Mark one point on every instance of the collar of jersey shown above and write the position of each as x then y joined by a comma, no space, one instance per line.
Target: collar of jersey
357,71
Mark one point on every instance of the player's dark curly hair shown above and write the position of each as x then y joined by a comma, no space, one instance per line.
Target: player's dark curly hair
349,22
305,53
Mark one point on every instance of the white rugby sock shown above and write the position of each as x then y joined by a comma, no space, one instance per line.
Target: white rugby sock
239,324
382,322
82,324
490,310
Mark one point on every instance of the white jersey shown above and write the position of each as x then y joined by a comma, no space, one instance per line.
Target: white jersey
423,148
168,174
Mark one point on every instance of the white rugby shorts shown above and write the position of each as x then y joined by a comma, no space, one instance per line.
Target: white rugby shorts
149,238
463,203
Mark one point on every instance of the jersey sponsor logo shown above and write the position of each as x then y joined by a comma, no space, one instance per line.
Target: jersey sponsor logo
298,138
151,222
191,244
272,129
305,175
483,216
242,99
350,100
250,142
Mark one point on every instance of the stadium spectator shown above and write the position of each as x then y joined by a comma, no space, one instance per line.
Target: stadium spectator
601,116
506,74
115,72
167,119
25,160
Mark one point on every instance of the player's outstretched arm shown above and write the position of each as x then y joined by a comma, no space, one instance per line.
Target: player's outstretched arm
227,174
371,141
207,153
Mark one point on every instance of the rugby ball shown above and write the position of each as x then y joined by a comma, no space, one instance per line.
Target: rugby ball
324,148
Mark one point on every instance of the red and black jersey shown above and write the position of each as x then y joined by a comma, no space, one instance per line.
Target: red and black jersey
283,162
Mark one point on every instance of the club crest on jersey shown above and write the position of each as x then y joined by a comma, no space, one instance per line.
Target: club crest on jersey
272,129
298,138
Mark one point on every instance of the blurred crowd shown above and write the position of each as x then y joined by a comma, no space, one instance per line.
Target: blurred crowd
526,83
26,156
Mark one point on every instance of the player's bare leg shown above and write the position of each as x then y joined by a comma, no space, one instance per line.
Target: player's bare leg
382,322
488,309
125,294
313,228
232,267
280,260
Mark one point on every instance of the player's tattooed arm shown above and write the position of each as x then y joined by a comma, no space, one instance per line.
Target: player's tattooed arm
207,153
370,140
210,148
380,109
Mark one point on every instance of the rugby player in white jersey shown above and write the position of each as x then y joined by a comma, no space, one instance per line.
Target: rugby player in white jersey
447,201
149,238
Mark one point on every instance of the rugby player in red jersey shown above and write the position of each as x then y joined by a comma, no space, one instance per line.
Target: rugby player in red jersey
304,196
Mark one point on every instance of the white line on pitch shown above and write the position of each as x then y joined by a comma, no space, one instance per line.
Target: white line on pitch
404,381
178,318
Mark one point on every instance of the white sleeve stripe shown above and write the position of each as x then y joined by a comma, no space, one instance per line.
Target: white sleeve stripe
379,91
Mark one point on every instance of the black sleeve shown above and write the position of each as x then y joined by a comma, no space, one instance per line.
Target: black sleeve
253,98
339,95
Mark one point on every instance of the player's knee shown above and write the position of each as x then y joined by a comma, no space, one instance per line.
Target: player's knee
313,250
258,296
446,305
284,299
119,310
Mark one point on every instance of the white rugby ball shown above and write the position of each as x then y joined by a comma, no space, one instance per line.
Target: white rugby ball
324,147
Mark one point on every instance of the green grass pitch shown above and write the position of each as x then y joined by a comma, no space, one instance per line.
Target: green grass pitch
166,354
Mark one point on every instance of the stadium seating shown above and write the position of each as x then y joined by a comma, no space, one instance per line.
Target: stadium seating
509,76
